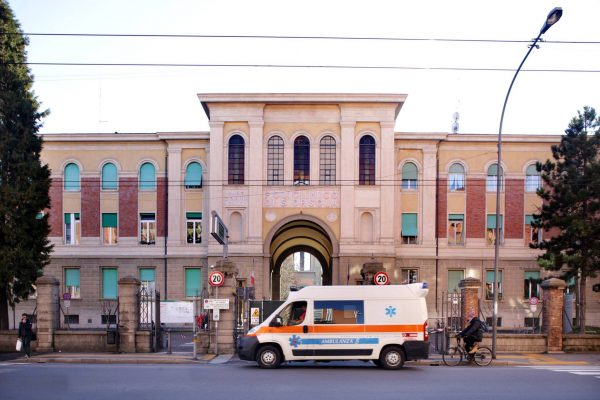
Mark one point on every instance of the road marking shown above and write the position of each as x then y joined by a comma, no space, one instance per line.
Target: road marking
575,370
545,359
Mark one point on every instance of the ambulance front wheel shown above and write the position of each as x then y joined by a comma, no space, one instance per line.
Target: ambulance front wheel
268,357
392,358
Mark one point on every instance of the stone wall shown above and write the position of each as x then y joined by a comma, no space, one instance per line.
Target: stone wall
574,343
82,341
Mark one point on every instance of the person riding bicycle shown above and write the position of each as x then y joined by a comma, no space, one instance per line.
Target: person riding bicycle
472,333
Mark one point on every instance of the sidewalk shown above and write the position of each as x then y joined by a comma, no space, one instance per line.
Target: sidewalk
514,359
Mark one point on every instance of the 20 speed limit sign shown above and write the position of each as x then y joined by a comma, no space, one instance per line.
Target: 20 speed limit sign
381,278
216,278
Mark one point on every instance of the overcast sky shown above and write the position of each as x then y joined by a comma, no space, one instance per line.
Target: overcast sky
153,99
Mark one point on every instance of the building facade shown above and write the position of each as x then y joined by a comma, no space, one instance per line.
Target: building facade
324,174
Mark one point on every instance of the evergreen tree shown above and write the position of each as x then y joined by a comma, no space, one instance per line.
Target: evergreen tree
571,205
24,181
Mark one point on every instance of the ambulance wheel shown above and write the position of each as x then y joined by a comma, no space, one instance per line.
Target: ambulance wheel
268,357
392,358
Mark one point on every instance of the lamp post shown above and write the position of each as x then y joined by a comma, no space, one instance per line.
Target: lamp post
552,19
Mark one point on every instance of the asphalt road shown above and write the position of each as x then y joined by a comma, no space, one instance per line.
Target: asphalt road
243,380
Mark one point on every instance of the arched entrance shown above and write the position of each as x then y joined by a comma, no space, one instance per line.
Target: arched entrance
296,235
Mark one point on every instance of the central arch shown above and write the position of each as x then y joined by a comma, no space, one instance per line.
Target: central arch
300,233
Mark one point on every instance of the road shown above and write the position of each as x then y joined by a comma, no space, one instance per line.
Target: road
242,380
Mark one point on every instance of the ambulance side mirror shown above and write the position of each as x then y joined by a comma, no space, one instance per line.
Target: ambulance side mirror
277,321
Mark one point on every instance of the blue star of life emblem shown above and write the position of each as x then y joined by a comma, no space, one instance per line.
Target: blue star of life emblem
390,311
295,341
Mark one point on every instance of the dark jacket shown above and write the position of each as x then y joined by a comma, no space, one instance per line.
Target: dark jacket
25,330
473,330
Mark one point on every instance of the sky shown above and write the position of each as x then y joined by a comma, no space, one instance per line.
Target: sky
90,99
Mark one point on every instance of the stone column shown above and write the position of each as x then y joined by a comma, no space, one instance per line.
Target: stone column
255,174
428,175
552,314
227,320
348,178
129,313
175,197
469,293
369,270
387,151
48,312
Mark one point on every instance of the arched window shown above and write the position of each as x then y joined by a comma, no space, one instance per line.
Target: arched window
109,177
327,161
193,176
275,161
71,177
147,177
492,178
366,227
532,179
235,231
301,161
236,160
366,161
456,177
409,176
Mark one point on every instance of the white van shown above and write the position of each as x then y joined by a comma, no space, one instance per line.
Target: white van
384,324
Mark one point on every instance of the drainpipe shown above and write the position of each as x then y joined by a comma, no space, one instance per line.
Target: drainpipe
437,202
166,219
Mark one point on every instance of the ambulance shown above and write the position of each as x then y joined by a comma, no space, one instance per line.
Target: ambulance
384,324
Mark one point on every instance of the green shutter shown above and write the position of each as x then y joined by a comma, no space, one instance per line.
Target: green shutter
532,275
193,215
192,282
147,177
109,283
71,277
491,221
193,175
109,220
456,217
409,224
454,278
71,177
489,277
528,219
67,218
409,171
147,274
109,177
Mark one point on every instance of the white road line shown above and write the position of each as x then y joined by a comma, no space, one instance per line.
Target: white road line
575,370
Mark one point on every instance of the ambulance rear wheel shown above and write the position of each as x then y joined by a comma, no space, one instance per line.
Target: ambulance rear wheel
392,358
268,357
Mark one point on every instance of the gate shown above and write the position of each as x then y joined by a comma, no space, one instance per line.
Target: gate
149,306
450,322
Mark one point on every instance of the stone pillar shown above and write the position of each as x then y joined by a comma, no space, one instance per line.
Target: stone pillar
552,314
48,312
227,320
129,313
469,294
369,270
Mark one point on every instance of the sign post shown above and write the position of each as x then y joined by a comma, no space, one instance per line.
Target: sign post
533,302
67,303
216,279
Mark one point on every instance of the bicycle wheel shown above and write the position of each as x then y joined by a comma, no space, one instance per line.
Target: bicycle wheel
452,357
483,356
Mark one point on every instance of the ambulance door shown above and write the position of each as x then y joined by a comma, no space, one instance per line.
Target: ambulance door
290,327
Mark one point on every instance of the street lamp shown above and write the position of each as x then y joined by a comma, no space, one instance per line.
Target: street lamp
552,19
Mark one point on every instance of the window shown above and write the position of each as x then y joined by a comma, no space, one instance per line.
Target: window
533,323
236,160
491,229
147,277
456,225
489,285
301,261
492,178
456,177
532,234
109,228
489,321
301,161
194,227
327,161
275,161
366,166
109,177
72,228
108,319
147,177
533,180
409,176
409,228
410,276
293,314
192,282
71,177
72,285
193,176
339,312
147,228
532,284
71,319
454,278
109,283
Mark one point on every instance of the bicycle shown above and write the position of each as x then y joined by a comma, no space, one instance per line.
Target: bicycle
454,355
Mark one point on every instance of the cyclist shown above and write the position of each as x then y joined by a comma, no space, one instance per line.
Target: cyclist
472,333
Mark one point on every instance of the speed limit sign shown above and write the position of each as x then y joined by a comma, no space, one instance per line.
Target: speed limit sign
381,278
216,278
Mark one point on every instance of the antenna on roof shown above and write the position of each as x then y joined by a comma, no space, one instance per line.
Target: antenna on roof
455,117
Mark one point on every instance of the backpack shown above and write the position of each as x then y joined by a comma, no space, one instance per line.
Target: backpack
483,328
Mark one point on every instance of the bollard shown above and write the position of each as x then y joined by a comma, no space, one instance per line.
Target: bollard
169,342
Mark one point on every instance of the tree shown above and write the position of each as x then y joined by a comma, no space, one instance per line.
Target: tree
571,204
24,181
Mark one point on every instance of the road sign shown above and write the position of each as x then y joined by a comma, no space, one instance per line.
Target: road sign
534,301
381,278
66,296
218,230
67,303
216,304
216,278
216,314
